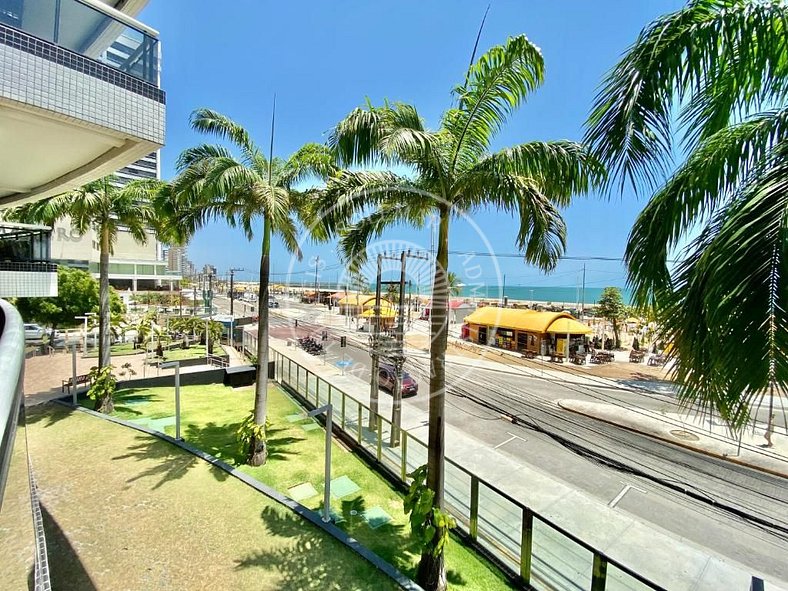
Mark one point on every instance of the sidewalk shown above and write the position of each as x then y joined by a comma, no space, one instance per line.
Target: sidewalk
694,433
664,558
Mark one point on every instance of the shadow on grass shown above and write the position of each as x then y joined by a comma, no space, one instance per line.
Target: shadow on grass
171,463
50,412
65,568
278,446
311,561
390,541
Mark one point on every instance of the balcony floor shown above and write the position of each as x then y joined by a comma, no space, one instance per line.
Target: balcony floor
124,510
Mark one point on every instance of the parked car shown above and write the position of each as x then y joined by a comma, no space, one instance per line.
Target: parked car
33,332
386,381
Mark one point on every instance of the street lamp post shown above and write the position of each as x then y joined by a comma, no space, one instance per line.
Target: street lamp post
328,410
85,317
177,366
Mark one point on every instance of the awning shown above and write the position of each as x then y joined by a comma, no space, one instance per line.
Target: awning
384,313
355,299
565,326
515,319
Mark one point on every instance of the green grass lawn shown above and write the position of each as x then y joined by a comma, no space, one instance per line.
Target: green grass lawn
193,352
210,416
118,350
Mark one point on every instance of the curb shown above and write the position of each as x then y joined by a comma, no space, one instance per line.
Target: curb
705,452
376,561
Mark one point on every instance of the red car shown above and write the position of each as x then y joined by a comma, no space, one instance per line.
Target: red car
386,381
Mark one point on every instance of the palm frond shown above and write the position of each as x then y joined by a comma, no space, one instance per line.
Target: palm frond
496,84
705,182
311,160
542,232
199,153
355,139
561,168
731,296
713,59
355,238
213,122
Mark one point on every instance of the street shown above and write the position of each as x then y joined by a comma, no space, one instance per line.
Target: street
736,511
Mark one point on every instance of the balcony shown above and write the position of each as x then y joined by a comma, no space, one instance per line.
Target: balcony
79,95
25,268
112,39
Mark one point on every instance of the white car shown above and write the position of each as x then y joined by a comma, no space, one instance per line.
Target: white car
33,332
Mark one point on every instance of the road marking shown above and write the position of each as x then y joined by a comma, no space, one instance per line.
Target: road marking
512,438
625,490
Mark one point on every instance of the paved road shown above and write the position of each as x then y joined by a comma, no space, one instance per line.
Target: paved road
735,511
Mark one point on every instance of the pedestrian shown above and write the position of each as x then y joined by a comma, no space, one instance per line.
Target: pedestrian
635,344
769,431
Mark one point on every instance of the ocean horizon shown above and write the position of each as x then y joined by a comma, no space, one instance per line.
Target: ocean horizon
561,296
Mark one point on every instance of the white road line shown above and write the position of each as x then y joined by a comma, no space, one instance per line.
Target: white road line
625,490
512,438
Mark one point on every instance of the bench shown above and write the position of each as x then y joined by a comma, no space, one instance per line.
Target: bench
636,356
81,381
602,357
578,359
529,354
556,358
657,360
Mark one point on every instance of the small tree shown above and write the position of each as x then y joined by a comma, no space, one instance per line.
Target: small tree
612,308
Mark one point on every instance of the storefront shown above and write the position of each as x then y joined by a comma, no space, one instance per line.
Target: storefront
526,331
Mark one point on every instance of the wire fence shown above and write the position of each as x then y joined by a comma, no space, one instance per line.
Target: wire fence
533,548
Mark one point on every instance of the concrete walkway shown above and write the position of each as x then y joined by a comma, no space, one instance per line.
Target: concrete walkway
670,561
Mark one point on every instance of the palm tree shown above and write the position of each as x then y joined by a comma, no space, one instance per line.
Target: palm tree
104,206
454,284
453,173
214,183
722,67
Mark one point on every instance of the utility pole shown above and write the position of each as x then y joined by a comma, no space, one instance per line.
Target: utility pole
503,291
317,266
232,288
399,359
583,296
374,382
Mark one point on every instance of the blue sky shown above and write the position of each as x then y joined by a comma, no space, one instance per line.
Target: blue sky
322,59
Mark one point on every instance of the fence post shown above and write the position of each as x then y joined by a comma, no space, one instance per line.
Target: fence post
526,545
344,396
599,574
359,423
298,378
473,527
329,393
380,436
404,452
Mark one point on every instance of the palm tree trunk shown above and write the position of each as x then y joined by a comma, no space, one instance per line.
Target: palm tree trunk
104,403
258,451
432,572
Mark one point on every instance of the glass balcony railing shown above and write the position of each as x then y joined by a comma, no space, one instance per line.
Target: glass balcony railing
83,29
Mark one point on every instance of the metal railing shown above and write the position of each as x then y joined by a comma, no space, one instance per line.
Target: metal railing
532,547
91,29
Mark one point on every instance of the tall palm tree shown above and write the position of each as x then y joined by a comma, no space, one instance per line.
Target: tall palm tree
453,173
721,66
104,206
215,183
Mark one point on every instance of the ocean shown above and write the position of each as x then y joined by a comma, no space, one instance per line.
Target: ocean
561,296
553,295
